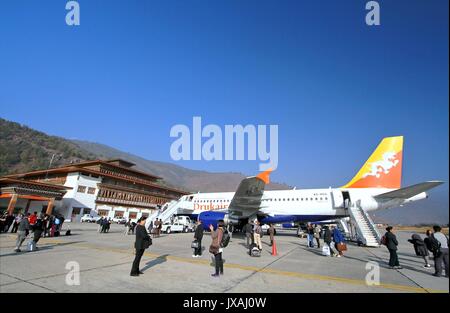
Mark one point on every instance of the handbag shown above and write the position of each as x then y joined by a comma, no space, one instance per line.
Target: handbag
194,244
342,246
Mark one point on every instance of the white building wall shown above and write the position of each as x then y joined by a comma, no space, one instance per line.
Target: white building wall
75,199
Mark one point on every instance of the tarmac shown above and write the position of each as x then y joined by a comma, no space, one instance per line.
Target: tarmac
105,261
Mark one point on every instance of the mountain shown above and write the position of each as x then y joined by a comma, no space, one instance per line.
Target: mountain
174,175
23,149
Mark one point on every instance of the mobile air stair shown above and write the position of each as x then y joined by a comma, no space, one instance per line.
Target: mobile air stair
366,230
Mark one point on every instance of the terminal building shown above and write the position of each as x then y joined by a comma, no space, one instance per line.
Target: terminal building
111,188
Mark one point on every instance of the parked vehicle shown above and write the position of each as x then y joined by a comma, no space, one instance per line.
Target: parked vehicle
180,224
87,218
119,220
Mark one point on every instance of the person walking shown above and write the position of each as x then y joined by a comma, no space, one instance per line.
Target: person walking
198,236
38,229
339,241
271,233
8,222
248,229
215,247
327,239
127,227
391,244
440,251
100,225
310,235
317,230
159,227
16,223
22,232
150,227
420,248
143,241
32,219
257,235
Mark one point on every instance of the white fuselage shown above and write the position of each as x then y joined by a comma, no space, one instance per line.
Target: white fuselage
312,204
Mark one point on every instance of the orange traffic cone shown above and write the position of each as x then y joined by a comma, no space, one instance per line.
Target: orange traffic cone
274,248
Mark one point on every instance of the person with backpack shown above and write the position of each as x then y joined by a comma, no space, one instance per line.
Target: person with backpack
439,247
143,241
420,248
216,247
257,235
390,240
198,236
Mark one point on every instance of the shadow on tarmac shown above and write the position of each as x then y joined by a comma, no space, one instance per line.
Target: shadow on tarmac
158,260
43,248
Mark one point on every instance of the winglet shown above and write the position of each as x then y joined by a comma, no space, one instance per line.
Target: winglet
264,176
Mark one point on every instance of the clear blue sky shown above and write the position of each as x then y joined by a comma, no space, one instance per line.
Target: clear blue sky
334,86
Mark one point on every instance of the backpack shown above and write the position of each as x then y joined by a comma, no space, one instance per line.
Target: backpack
384,240
434,244
225,239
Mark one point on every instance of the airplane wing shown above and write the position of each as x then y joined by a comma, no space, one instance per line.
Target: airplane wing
247,199
408,192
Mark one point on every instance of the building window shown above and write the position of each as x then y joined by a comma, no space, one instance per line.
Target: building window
76,211
81,189
132,215
103,212
86,211
91,190
118,214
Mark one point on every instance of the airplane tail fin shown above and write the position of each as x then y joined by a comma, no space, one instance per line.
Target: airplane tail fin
384,167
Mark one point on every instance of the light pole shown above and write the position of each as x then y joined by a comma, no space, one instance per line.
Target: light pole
50,165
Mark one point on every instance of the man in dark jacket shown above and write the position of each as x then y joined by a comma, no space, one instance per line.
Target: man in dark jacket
391,244
327,239
198,236
38,229
142,242
420,248
248,229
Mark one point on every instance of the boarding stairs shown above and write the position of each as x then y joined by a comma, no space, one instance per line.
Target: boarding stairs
164,214
366,230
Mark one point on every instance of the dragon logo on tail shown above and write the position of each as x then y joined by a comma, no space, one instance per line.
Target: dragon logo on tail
388,162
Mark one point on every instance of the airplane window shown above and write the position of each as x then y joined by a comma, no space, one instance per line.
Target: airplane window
293,199
320,199
326,198
311,199
288,199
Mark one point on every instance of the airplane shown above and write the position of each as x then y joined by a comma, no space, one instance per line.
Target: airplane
377,185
